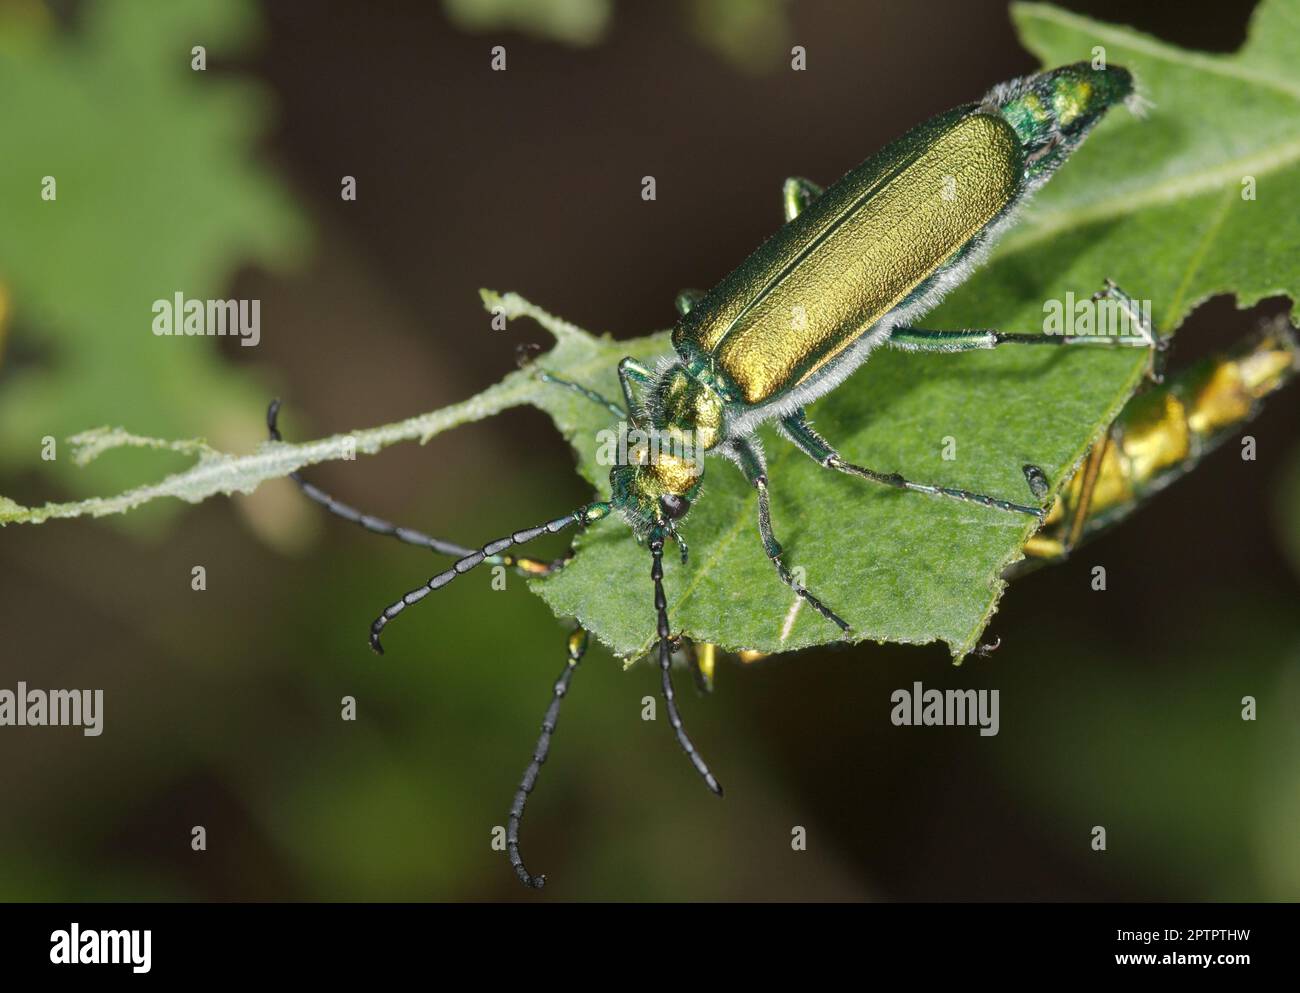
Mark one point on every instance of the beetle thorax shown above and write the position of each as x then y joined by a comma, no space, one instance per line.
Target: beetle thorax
683,408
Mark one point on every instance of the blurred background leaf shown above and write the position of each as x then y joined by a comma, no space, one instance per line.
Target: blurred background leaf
751,35
574,22
158,192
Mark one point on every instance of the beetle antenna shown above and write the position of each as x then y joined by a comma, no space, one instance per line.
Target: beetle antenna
666,661
373,524
409,536
577,647
587,514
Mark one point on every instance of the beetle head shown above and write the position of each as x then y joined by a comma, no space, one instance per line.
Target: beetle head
655,491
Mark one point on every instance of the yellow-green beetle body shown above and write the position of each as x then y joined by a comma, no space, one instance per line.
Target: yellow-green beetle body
853,265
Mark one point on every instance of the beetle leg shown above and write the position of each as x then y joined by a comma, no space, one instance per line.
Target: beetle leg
681,544
797,194
750,460
798,430
1067,526
1155,371
1082,497
909,339
631,371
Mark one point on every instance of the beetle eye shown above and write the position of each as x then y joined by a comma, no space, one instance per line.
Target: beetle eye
674,506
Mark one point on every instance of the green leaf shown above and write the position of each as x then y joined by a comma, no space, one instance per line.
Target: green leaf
1155,204
157,193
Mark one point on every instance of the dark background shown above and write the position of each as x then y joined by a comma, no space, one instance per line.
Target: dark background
222,707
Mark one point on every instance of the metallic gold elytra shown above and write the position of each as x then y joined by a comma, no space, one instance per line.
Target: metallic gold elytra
1156,437
1222,399
854,254
1164,433
1265,370
1114,481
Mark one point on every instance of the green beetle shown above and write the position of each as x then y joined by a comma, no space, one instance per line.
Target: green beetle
852,268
